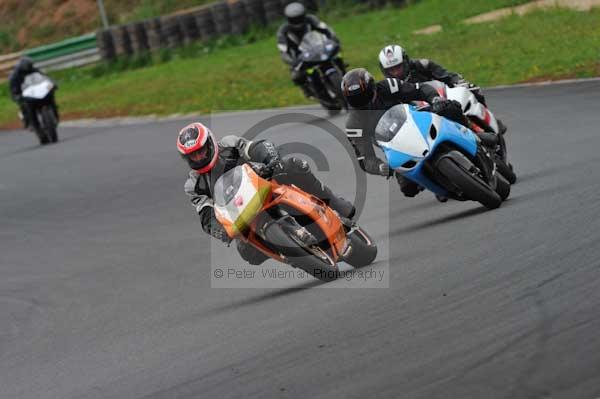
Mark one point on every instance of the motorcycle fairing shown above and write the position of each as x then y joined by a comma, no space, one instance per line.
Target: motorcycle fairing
36,86
417,139
239,197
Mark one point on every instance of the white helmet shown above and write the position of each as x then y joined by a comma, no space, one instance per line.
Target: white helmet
393,62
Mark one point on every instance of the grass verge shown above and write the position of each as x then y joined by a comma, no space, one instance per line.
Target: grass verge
227,76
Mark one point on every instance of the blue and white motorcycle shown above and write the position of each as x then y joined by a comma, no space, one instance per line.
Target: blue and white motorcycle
440,155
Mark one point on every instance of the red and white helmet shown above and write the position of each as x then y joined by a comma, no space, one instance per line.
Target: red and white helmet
198,147
393,62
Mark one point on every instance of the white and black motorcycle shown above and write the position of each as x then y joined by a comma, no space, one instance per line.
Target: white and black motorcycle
38,93
481,119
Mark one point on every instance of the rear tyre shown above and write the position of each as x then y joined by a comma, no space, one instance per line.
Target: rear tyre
363,250
502,187
299,257
470,186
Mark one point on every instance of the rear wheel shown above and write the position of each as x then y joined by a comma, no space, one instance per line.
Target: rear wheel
319,265
363,250
471,187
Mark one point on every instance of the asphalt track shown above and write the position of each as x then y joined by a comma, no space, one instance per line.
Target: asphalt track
105,276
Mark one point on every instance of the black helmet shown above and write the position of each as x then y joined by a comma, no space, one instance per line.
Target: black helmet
358,87
296,16
25,65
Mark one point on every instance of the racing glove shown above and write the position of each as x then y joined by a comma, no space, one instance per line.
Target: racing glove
450,109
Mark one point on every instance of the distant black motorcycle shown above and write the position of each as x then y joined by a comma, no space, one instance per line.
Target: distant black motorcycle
319,57
38,92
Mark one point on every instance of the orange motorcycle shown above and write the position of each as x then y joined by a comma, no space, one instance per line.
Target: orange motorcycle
289,225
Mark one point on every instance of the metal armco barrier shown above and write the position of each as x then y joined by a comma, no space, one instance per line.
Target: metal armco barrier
76,51
62,48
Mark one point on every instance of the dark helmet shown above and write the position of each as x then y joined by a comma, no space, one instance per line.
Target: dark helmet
358,87
198,147
296,16
394,62
25,65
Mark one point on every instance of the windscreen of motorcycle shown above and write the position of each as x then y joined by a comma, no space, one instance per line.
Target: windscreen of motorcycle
402,133
313,47
239,195
390,123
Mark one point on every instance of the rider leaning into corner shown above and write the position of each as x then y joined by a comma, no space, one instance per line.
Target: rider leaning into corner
209,159
289,37
369,100
394,62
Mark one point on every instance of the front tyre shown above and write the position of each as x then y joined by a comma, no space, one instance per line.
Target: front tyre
40,128
506,170
502,165
470,186
502,187
363,250
49,125
322,268
334,80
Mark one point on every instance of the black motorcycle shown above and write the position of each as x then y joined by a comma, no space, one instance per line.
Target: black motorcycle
319,57
38,93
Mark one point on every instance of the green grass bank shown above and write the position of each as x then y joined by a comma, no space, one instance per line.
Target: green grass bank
246,73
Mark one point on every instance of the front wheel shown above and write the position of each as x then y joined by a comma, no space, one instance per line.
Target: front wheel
470,186
321,267
39,127
363,250
502,164
334,80
506,170
49,125
502,187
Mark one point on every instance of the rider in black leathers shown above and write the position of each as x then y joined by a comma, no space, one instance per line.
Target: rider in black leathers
23,68
395,63
208,160
289,37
